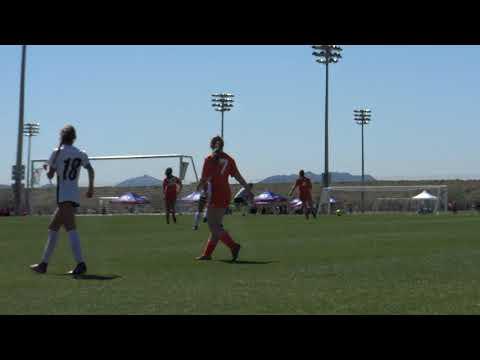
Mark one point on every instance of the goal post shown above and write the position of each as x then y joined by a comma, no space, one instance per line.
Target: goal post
116,175
391,194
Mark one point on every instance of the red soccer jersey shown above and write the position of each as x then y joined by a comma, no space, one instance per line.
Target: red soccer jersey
170,186
217,170
304,187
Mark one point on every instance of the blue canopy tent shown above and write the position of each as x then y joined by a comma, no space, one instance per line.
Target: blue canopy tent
131,198
268,197
296,204
270,200
194,197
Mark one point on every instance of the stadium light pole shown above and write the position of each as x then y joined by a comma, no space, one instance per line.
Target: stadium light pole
30,130
362,118
327,54
17,174
222,102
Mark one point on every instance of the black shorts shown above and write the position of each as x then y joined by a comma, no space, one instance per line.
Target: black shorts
74,204
170,203
239,201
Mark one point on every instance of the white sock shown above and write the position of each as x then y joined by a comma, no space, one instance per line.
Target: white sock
197,218
75,244
50,246
205,213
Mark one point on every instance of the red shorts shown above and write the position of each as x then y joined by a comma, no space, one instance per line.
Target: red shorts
219,200
306,198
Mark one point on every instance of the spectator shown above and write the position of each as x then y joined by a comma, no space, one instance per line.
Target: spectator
454,207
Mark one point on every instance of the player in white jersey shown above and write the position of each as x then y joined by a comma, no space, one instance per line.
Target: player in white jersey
66,161
242,200
202,204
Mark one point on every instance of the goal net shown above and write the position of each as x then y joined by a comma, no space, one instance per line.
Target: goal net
123,184
414,198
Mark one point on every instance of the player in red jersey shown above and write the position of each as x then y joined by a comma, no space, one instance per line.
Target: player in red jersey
172,186
304,186
217,168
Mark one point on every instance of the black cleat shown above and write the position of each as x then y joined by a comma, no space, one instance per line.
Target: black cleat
235,252
203,257
205,219
39,268
80,269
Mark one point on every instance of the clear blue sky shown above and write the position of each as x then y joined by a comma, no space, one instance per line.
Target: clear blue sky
156,99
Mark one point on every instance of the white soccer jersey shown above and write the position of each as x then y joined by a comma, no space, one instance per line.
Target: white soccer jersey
241,194
67,165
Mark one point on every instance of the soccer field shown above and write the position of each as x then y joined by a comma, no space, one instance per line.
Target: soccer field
379,264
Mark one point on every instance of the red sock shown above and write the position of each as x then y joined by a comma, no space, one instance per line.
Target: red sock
209,248
227,240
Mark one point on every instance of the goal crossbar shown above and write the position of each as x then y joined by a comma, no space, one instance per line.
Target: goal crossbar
181,157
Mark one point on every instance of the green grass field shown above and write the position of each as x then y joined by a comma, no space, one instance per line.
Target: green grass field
333,265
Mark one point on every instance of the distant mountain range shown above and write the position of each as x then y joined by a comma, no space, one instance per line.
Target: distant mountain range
141,181
335,176
148,181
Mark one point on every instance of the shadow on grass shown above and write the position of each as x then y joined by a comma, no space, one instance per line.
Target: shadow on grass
95,277
91,277
240,262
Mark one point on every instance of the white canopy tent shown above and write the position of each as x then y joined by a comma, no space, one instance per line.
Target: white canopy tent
424,195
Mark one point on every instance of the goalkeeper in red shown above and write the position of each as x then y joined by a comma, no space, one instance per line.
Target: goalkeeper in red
217,168
172,186
304,186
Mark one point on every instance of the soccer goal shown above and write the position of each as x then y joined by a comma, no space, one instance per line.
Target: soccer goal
115,176
413,198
